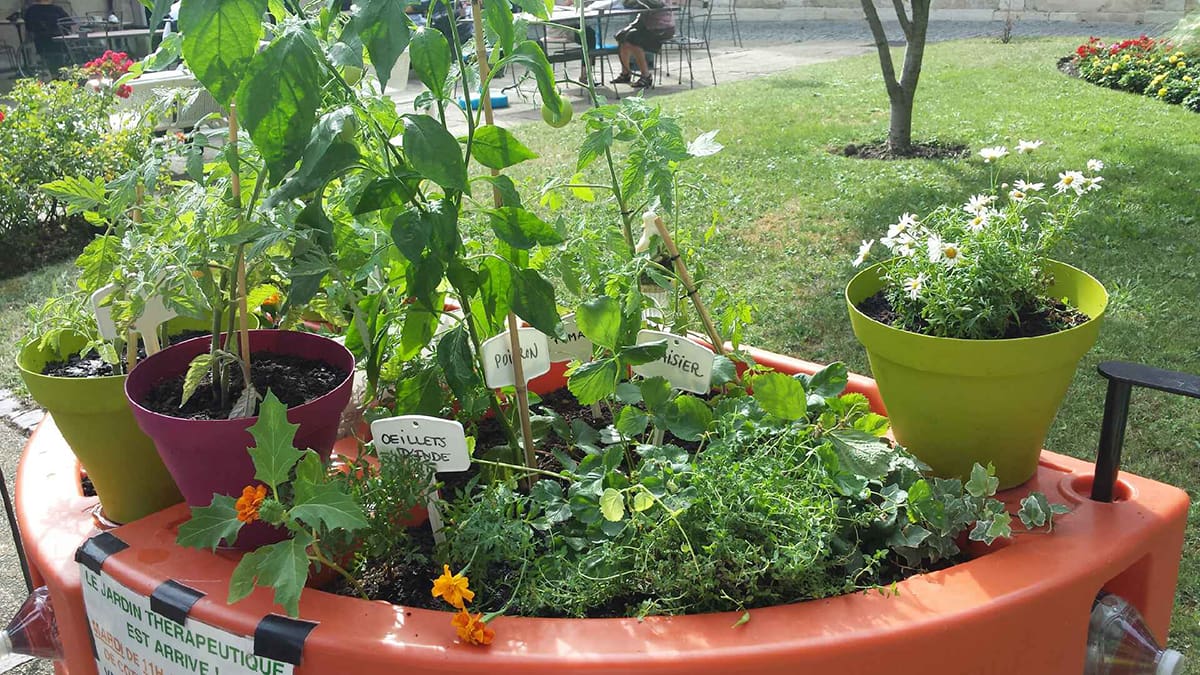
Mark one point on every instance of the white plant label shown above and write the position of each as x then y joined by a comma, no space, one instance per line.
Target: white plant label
441,442
153,315
687,365
576,347
498,357
132,639
104,322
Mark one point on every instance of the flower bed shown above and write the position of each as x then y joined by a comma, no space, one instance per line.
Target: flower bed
1144,66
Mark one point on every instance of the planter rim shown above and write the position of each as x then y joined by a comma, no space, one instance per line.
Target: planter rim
31,348
873,269
240,421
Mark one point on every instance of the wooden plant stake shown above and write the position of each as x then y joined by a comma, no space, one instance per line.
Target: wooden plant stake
690,287
236,189
485,103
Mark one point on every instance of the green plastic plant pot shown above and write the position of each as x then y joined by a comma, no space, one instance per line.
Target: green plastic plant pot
956,402
94,417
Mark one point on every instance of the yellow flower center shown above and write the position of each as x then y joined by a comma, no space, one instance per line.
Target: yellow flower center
1067,180
950,252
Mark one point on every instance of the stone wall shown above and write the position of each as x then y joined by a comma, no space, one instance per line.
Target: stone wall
1151,12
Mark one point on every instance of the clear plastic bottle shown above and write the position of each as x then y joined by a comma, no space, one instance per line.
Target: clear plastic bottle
33,631
1119,643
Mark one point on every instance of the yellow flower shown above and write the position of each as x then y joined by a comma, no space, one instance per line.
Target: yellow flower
1181,64
453,588
471,628
1116,66
1187,78
1162,93
1173,59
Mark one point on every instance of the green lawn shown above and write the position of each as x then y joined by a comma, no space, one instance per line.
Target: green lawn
790,216
17,295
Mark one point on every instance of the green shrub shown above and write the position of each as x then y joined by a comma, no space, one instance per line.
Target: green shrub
50,130
1156,68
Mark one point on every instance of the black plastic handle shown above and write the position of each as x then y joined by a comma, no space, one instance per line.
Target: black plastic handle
1122,377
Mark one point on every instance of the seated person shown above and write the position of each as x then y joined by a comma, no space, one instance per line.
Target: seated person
646,34
42,22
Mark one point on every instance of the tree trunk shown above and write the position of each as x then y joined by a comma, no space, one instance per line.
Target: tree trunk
901,91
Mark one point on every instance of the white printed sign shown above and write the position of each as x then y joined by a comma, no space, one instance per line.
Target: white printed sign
687,365
576,347
498,359
441,442
131,639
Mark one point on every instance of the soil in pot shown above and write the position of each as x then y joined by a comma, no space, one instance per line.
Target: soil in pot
1051,316
92,365
294,380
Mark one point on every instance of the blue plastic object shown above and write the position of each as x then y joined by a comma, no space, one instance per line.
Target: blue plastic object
499,100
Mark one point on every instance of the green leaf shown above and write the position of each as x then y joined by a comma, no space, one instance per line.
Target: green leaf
636,355
159,10
241,583
724,370
989,530
781,395
1035,510
983,481
612,505
631,422
168,52
688,418
656,393
521,229
97,262
284,567
642,500
457,362
430,56
278,100
410,232
496,288
78,193
310,468
533,300
273,453
327,505
383,27
382,193
529,54
593,381
326,156
419,326
220,38
505,186
496,147
210,525
599,319
871,423
196,371
434,152
861,454
830,381
498,25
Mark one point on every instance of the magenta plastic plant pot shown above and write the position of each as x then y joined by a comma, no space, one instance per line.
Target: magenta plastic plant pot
207,457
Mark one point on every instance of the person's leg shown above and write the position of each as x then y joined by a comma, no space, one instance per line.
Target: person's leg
624,53
640,55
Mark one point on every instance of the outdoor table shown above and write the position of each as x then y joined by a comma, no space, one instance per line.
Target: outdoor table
599,19
108,37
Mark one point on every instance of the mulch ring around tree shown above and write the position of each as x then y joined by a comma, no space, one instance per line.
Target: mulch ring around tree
1068,66
880,150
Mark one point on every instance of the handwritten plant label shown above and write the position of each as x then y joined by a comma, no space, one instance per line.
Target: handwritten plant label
132,639
687,365
441,442
498,359
575,347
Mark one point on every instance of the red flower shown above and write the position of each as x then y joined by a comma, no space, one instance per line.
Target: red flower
124,91
2,115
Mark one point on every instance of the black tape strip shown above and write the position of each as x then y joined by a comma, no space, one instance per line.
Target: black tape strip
174,600
280,638
96,550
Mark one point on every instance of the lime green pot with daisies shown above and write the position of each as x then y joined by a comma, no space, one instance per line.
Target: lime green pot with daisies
973,332
953,402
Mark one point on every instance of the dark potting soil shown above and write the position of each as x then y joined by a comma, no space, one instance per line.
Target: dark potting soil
1052,316
91,365
880,150
294,380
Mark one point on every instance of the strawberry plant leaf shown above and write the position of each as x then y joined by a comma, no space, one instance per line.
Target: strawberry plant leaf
780,395
211,524
592,381
273,453
326,504
861,454
599,319
688,418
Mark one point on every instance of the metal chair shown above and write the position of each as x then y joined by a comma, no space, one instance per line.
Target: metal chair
691,35
726,9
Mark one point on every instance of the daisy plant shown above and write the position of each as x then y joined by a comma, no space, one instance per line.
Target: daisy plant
974,270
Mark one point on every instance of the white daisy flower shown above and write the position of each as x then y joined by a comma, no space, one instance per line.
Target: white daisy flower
1070,180
950,254
934,246
1027,146
980,220
914,285
978,203
1028,187
1095,165
863,251
989,154
1092,183
1017,195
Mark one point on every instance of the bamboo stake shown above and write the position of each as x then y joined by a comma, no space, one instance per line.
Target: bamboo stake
686,278
514,336
236,189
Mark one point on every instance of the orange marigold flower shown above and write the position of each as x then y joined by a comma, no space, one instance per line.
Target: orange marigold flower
472,629
453,588
248,504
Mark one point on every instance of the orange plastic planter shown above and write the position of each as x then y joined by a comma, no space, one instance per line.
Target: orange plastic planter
1019,607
